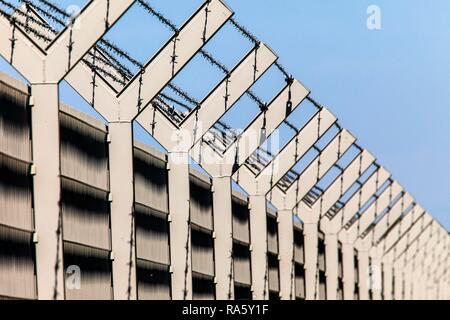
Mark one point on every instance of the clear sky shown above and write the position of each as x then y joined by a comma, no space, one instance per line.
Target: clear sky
389,87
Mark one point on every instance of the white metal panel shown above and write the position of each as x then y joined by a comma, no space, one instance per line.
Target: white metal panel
241,221
16,199
86,214
95,267
274,273
153,281
84,152
299,247
152,235
17,279
242,268
14,123
272,235
150,181
202,251
201,208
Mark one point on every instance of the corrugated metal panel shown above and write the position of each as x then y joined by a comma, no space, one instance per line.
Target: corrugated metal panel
95,268
300,284
242,292
356,293
15,194
17,276
321,254
322,286
14,123
202,251
272,234
299,246
241,221
242,266
201,203
203,287
150,176
340,261
152,235
84,152
340,290
153,281
356,266
86,214
274,272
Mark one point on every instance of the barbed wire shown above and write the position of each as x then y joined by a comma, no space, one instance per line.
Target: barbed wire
55,8
247,34
29,29
168,98
171,112
183,94
110,46
44,12
116,63
315,103
291,125
262,105
158,15
125,75
104,72
215,62
27,16
281,68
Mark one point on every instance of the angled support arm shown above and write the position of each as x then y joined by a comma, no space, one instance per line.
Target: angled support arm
211,108
160,70
249,140
76,39
313,173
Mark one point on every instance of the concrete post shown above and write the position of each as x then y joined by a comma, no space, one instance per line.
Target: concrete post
286,248
368,277
310,233
223,243
47,191
332,259
349,275
408,282
122,212
258,235
388,277
180,241
398,273
377,291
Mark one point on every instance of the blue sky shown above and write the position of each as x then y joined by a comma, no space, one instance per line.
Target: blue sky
389,87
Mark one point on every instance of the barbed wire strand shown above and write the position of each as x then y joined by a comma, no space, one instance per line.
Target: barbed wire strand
158,15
